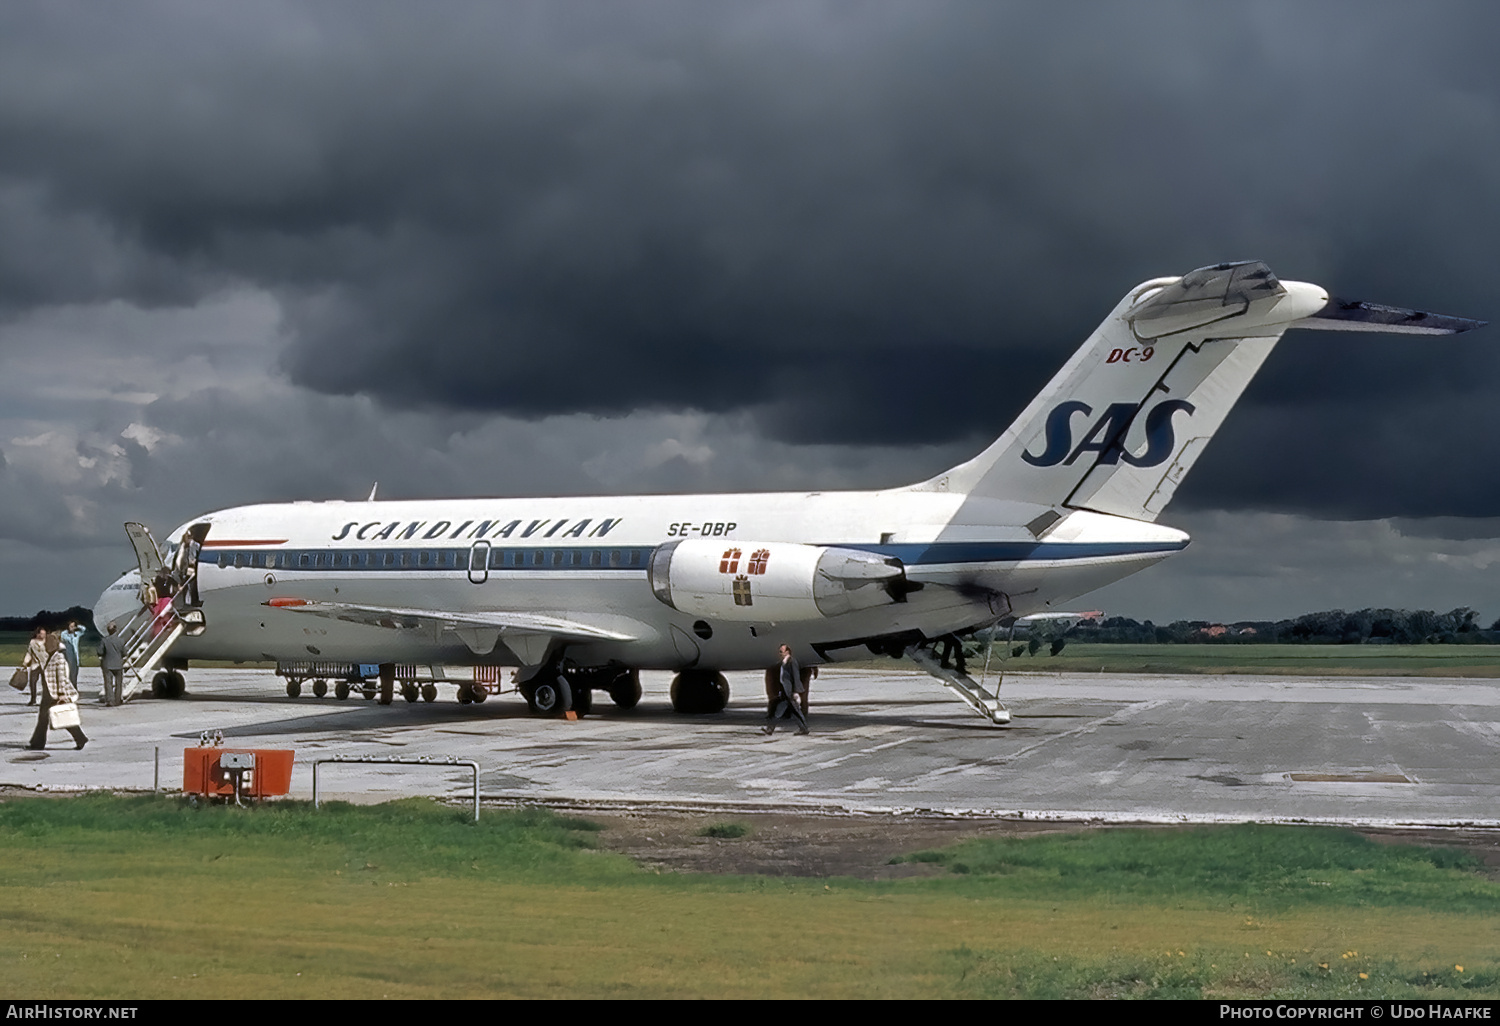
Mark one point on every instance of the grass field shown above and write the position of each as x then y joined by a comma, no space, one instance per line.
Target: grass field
150,898
1291,660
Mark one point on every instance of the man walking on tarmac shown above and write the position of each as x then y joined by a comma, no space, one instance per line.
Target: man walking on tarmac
791,683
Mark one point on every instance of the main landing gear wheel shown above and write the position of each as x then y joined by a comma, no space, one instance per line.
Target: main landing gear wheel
549,696
699,691
625,690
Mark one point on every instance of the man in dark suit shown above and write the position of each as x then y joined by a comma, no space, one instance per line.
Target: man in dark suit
791,683
112,662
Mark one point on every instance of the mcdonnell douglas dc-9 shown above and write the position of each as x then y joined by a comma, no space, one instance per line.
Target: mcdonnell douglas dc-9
581,594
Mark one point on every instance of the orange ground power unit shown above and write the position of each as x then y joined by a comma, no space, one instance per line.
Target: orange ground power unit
270,771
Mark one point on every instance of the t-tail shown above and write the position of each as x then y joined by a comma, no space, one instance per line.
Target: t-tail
1122,423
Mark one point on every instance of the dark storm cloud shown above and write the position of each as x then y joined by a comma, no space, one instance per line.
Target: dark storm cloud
863,224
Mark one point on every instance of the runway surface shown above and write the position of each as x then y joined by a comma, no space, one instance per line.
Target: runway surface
1126,748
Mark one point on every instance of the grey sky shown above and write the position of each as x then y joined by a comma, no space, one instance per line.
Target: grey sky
275,251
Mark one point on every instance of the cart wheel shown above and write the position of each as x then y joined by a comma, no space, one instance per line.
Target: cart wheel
429,692
293,687
341,689
320,688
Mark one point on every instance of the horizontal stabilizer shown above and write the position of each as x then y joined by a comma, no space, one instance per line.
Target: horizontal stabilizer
1352,315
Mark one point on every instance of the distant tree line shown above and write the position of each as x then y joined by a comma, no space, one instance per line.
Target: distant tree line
49,619
1330,627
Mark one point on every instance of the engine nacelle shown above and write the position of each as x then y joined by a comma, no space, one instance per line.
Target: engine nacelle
772,582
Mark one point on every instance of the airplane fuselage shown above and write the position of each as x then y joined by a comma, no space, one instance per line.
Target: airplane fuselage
558,556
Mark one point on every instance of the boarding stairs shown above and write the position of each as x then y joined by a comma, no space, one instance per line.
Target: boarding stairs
961,684
150,635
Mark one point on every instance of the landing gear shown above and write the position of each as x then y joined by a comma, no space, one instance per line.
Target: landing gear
548,695
170,684
699,691
583,701
625,689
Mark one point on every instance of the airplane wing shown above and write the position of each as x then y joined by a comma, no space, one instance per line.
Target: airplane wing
479,629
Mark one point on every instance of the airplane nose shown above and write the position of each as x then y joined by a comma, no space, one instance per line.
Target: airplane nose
118,601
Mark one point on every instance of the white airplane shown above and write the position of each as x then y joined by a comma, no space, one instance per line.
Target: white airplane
580,594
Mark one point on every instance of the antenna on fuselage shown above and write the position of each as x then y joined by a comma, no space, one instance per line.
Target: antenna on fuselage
372,491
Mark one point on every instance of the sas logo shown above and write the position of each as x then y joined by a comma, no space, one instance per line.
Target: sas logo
1106,436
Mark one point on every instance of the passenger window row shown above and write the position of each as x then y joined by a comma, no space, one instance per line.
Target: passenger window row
434,559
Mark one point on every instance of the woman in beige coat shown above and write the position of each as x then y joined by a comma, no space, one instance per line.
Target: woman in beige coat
36,658
57,689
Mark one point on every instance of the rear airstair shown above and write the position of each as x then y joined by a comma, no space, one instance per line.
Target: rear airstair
956,680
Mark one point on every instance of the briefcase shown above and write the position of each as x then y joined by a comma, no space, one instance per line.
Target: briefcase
63,715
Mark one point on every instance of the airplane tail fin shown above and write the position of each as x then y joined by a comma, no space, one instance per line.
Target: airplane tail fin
1119,427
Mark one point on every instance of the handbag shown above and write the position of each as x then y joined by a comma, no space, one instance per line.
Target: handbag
20,678
63,715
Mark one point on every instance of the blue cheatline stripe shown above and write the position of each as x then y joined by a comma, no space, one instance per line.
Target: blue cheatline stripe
634,559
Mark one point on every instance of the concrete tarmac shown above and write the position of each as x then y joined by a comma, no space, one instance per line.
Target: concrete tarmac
1125,748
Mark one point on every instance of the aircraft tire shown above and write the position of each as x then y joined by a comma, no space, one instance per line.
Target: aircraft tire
320,688
551,696
625,690
716,693
699,691
159,686
176,685
341,690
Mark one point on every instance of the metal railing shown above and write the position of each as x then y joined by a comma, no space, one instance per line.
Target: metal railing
421,760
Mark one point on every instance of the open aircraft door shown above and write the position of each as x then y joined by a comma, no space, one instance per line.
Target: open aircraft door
147,555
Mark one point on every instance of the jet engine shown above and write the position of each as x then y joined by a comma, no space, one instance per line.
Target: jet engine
772,581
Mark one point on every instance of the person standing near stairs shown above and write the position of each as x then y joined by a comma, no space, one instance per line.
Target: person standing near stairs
112,662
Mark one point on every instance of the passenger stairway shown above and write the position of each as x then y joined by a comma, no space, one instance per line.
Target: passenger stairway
150,635
962,685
